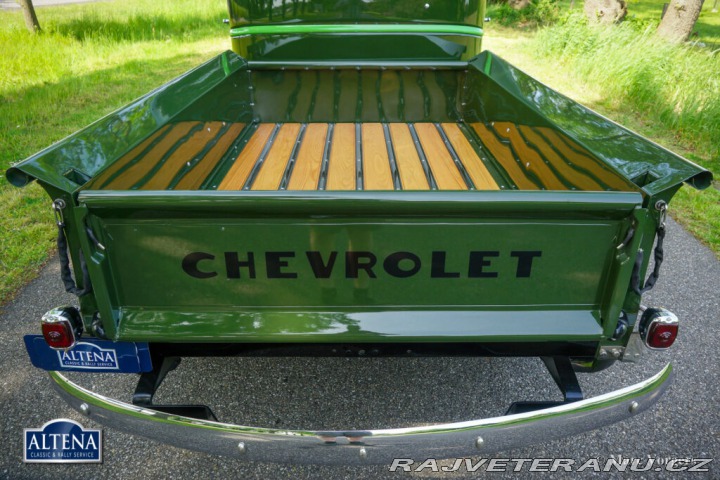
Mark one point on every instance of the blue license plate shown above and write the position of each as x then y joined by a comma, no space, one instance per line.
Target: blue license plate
90,355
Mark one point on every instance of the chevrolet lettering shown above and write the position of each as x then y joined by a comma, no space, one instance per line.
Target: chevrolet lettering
396,264
356,179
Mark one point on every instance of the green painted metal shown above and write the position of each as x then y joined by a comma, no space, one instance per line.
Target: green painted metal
360,29
358,326
493,204
622,262
351,48
255,280
103,301
356,31
488,64
268,12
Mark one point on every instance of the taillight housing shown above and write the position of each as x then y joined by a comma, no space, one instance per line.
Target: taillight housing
61,327
658,328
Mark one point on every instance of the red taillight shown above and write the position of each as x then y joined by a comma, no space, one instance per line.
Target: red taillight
59,334
661,335
61,327
658,328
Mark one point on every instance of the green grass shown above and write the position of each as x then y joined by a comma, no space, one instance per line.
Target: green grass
539,12
90,60
707,28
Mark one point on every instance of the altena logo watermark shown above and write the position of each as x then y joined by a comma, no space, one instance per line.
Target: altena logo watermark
89,356
612,464
62,441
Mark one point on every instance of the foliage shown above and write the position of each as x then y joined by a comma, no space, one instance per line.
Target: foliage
539,12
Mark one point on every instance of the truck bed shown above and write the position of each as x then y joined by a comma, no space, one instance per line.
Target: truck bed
260,204
220,155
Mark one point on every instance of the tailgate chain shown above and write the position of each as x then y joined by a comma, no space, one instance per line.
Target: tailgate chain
658,255
65,272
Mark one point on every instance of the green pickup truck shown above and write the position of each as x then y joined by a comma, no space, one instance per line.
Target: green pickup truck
356,178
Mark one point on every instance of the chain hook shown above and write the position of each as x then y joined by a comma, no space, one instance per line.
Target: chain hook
662,207
58,206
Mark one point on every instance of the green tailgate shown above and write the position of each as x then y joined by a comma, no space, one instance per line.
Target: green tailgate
361,266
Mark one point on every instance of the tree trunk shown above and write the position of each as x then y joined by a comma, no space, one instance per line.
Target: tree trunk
605,11
679,20
31,20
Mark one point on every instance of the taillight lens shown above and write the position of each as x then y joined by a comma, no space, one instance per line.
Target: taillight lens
59,334
661,335
658,328
61,327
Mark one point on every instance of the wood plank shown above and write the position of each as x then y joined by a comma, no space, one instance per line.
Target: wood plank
474,165
504,157
581,157
273,167
242,166
133,173
446,174
189,149
582,180
194,178
412,174
531,160
341,166
376,164
125,159
306,173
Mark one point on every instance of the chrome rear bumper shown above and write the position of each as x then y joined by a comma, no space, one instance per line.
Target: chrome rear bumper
451,440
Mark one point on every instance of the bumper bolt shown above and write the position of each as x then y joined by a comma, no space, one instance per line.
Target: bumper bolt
241,447
85,409
479,442
633,407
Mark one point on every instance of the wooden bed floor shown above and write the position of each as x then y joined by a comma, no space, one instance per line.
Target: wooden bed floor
357,156
368,156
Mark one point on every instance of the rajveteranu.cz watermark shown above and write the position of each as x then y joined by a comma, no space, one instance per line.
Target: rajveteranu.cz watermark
612,464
